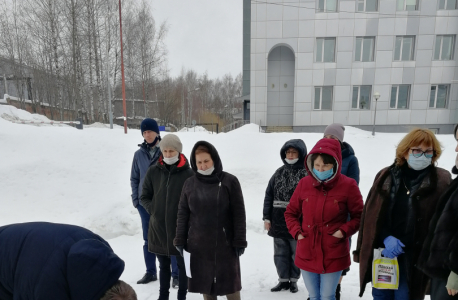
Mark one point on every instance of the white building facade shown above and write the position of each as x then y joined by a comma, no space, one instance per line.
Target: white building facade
316,62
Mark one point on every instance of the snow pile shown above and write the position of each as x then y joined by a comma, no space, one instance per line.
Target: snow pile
194,129
248,128
103,125
59,174
13,114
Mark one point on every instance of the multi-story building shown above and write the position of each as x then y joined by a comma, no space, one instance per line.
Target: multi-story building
315,62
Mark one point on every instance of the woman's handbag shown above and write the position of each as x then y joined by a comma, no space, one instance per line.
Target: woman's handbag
385,271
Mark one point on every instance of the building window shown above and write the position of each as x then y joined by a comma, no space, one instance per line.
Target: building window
364,50
323,98
361,97
400,96
448,4
404,48
444,47
407,5
438,96
325,49
367,5
327,6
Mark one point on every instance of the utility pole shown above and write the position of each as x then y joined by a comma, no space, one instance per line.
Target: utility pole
110,113
122,74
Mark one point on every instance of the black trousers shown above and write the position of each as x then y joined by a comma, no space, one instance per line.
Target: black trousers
439,291
284,253
165,274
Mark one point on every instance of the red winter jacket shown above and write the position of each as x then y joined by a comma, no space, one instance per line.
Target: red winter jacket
317,209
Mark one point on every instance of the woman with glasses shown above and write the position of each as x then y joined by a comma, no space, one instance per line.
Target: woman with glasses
397,213
439,257
279,190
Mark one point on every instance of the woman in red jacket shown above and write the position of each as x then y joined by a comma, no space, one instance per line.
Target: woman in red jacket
316,217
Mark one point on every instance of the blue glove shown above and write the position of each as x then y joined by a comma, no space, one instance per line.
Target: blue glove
394,246
387,253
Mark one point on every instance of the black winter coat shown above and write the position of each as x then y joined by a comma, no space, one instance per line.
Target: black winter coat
440,249
211,222
281,187
160,197
47,261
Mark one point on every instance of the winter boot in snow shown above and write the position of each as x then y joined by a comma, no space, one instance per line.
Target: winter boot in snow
338,292
147,278
175,283
281,286
293,288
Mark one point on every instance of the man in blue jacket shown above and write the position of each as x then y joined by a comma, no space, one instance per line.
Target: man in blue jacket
147,155
43,261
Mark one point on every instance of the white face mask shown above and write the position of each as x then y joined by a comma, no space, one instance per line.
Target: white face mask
171,160
209,171
291,161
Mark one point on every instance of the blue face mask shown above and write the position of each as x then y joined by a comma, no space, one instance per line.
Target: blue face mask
418,163
323,175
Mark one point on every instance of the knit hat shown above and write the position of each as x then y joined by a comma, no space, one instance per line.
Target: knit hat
171,141
337,130
149,124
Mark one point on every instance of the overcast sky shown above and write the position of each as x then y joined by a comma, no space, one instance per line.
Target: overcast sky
204,35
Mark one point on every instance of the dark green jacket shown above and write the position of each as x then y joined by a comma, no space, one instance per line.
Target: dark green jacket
160,197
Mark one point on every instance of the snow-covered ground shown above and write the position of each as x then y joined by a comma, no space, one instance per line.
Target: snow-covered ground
61,174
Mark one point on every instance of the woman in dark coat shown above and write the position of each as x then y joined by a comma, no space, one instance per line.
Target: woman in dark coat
317,216
279,190
212,225
397,213
439,257
160,197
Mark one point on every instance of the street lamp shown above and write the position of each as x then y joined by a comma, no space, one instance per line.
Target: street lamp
376,97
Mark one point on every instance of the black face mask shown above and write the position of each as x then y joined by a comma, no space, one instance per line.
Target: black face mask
151,145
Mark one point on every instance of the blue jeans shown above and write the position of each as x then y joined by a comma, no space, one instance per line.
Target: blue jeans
321,286
150,258
402,293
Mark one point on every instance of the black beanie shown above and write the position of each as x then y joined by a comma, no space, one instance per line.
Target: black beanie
149,124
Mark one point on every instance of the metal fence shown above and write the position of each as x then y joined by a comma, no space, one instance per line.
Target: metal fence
234,125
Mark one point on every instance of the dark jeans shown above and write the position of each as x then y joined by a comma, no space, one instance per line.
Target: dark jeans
165,275
175,271
284,253
150,258
402,293
439,291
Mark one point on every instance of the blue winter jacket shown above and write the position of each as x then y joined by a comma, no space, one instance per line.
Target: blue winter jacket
46,261
350,166
140,164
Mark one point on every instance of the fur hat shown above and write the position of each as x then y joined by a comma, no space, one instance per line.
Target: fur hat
337,130
171,141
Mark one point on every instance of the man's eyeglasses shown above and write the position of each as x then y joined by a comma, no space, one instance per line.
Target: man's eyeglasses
418,152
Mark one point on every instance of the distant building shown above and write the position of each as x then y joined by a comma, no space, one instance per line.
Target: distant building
315,62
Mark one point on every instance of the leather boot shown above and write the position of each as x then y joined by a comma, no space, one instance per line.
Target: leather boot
338,292
148,277
293,288
281,286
